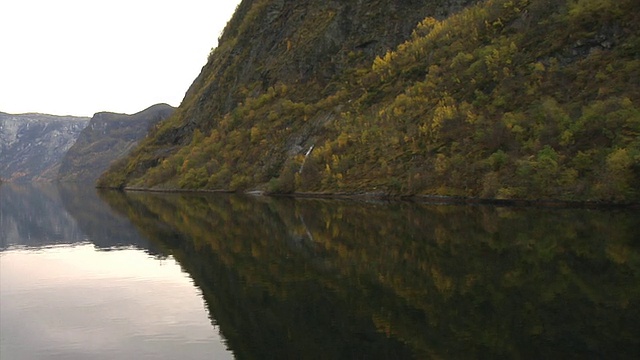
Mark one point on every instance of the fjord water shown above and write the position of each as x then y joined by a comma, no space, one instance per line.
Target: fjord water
142,275
78,281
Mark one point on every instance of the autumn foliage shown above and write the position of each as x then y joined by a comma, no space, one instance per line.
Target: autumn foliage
506,99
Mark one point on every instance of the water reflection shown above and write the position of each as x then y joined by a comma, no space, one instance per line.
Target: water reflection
73,302
47,214
62,296
35,216
340,279
105,228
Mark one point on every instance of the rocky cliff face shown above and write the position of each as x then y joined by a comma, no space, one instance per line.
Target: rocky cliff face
310,45
308,48
32,145
502,99
108,136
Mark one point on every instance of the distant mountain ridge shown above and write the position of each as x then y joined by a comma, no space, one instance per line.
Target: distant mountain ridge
32,145
107,137
42,147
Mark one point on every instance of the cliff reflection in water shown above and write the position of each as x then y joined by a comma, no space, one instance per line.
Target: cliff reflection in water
46,214
342,279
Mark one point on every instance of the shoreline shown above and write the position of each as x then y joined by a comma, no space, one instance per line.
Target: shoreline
425,199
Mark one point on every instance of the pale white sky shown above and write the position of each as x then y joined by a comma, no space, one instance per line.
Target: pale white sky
79,57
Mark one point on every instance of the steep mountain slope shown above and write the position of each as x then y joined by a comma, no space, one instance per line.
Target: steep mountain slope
523,99
32,145
108,136
302,48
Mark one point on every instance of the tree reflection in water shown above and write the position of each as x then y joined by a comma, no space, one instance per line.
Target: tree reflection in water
310,278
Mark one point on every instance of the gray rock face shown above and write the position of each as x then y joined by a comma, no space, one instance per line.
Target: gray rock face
108,137
32,145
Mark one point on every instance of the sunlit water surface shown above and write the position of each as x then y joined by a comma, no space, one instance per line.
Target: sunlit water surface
77,302
81,283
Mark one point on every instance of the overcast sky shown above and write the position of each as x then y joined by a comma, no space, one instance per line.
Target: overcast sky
79,57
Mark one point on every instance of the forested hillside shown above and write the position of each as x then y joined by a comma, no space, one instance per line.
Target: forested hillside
509,99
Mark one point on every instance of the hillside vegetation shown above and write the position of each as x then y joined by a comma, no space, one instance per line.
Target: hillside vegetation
508,99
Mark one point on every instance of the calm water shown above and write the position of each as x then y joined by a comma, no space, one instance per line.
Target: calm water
184,276
78,281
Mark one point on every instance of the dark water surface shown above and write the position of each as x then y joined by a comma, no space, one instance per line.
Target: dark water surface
186,276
